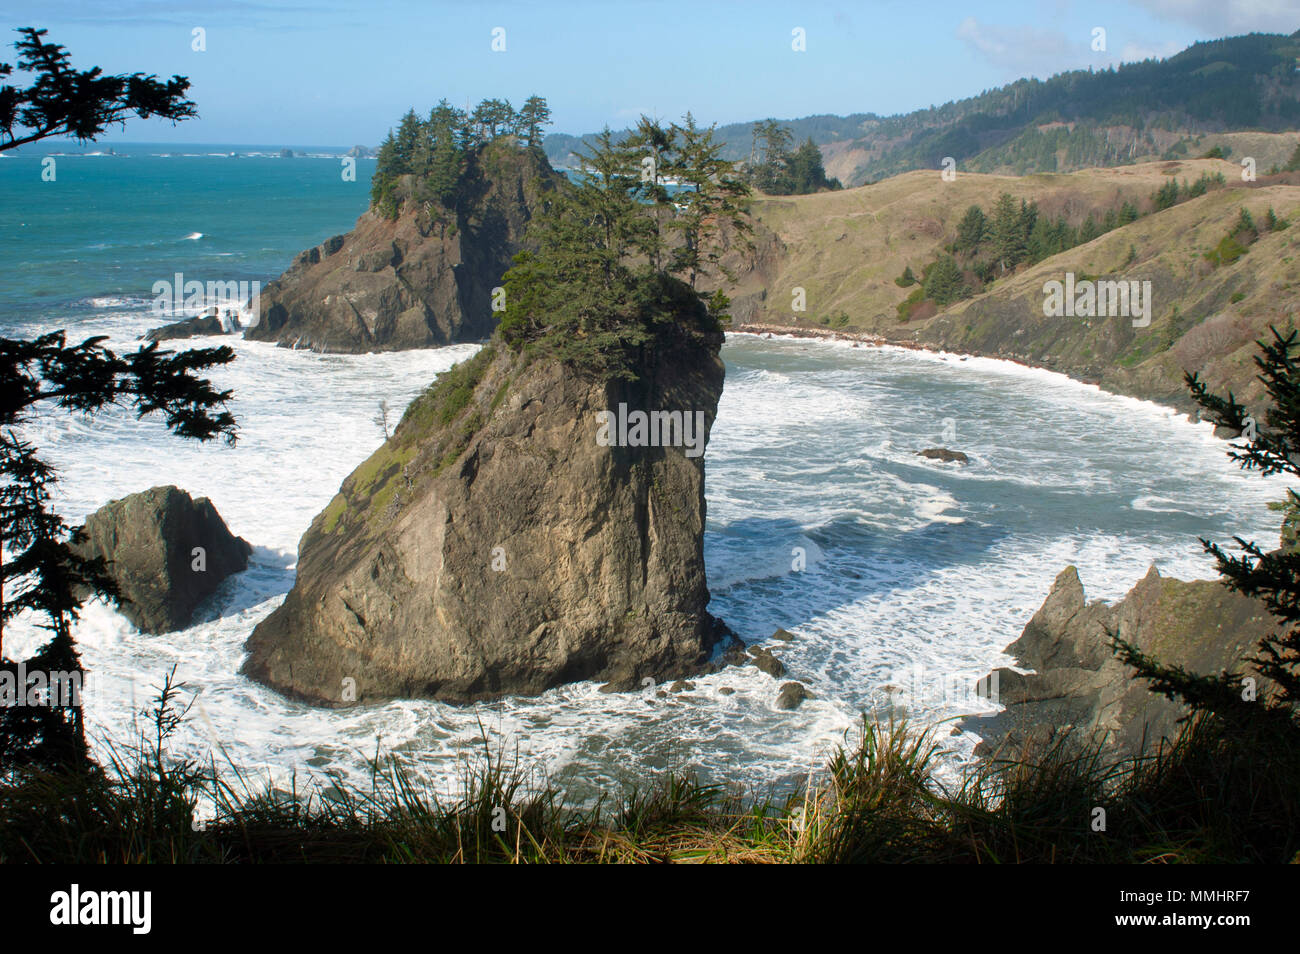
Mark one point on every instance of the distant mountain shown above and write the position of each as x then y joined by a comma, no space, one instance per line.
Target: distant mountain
1156,109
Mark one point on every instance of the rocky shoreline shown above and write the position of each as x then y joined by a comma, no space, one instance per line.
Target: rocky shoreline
1078,686
1068,681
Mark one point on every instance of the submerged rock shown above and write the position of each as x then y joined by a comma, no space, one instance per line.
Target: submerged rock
1079,685
493,546
421,280
166,551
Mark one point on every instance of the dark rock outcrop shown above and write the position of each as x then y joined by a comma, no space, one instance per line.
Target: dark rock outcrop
493,546
422,280
943,454
792,695
195,327
1078,684
766,662
166,551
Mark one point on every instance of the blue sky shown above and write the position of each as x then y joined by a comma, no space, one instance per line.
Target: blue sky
332,73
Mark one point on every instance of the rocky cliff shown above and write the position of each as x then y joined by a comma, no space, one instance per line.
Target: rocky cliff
1077,682
420,280
494,545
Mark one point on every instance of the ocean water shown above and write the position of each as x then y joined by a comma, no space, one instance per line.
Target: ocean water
901,578
107,227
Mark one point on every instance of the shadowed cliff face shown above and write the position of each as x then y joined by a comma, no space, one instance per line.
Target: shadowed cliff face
422,280
493,546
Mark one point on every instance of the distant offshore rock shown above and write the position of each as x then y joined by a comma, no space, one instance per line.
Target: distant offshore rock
943,454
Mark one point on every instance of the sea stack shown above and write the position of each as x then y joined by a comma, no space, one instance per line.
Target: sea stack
495,546
419,280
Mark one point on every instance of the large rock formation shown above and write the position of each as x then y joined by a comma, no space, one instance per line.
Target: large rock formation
421,280
166,551
495,546
1079,684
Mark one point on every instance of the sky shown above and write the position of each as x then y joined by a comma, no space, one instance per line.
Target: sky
326,72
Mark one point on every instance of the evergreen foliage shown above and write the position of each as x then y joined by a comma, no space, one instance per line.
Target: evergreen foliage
777,170
435,150
43,573
620,253
63,101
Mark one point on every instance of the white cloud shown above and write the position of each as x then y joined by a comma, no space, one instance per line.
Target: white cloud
1028,51
1022,50
1229,17
1135,52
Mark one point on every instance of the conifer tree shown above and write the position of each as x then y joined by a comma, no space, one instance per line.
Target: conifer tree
534,116
711,203
971,230
63,101
1010,243
41,572
597,285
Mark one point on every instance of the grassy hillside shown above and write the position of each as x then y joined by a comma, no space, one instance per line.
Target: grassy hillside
1205,317
846,249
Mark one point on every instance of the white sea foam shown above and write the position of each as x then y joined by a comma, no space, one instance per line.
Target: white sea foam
907,564
115,301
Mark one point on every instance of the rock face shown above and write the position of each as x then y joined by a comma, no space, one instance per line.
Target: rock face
493,546
422,280
1078,683
149,541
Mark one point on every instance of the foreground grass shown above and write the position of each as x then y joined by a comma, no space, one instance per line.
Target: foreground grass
1213,796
